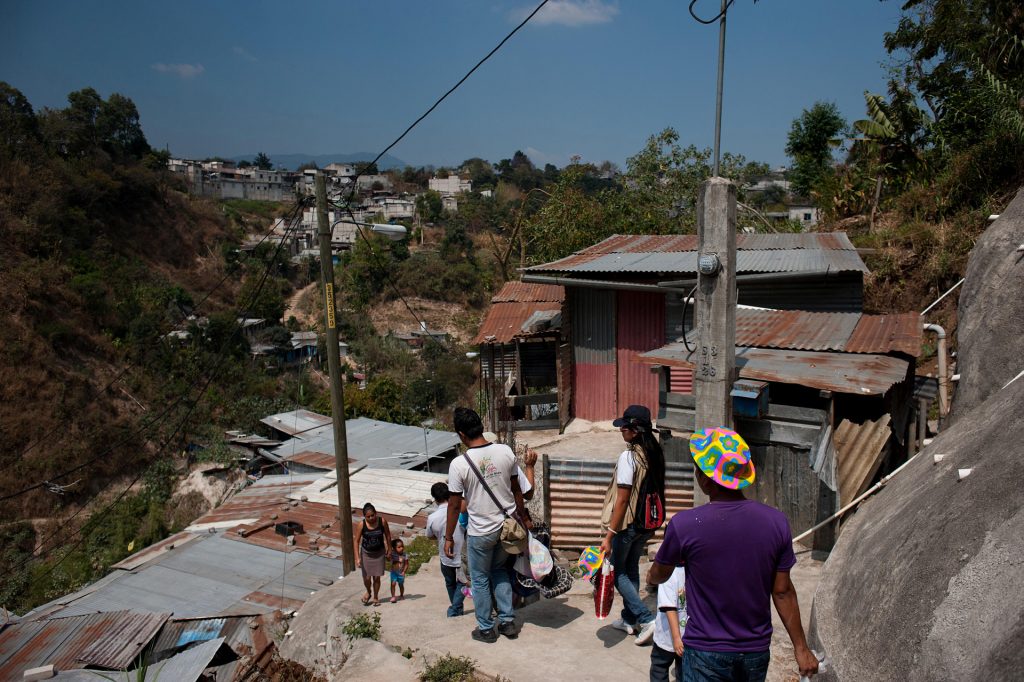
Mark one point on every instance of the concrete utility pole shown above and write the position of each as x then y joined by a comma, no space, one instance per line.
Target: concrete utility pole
348,559
715,307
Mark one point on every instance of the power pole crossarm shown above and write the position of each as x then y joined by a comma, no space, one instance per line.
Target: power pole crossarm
334,367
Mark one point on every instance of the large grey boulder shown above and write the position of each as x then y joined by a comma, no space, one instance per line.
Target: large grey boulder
991,312
927,579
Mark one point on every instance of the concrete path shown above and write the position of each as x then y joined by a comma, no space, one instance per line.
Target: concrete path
560,638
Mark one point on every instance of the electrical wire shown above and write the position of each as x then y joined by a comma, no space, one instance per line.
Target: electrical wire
686,304
713,19
348,209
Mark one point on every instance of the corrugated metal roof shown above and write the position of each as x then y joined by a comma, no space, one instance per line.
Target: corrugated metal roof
107,640
376,444
296,421
211,576
401,493
810,252
844,332
885,333
521,292
504,321
860,374
794,329
262,498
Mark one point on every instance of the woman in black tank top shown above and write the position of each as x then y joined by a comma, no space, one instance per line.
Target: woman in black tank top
372,541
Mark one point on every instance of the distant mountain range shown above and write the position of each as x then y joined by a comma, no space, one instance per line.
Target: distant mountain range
293,161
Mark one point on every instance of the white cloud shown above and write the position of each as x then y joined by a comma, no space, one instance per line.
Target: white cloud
180,70
244,54
571,13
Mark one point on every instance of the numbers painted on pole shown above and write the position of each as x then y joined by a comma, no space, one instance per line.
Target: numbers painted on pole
707,356
329,298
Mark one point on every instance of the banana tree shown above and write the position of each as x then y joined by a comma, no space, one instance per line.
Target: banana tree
893,138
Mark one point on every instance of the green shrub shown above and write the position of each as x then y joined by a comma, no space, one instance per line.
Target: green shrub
449,668
362,626
420,551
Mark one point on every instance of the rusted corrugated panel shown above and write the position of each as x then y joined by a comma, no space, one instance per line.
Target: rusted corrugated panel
522,292
316,460
640,328
594,392
116,640
841,372
887,333
504,321
794,329
107,640
680,380
577,496
593,327
860,448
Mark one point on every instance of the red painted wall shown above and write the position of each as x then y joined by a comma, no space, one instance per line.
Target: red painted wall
640,327
594,395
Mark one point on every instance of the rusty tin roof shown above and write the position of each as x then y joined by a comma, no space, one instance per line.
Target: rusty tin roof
504,321
847,332
105,640
522,292
859,374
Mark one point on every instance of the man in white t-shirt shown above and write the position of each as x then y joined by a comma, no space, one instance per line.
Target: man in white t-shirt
496,464
436,526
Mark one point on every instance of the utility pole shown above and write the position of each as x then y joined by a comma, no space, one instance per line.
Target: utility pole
715,308
348,560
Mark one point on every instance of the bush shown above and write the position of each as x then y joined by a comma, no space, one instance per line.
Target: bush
420,551
362,626
449,668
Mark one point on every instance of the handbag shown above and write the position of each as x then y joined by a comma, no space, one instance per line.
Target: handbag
514,534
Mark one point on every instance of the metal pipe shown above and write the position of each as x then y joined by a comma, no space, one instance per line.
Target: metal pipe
750,279
936,301
589,283
943,371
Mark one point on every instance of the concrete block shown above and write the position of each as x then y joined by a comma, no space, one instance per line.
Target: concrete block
42,673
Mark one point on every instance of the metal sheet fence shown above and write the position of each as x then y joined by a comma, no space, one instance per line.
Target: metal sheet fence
575,490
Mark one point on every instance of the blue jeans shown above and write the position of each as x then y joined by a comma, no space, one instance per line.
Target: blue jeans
627,546
455,596
486,572
713,666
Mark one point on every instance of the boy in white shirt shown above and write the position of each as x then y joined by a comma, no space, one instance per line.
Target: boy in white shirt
667,651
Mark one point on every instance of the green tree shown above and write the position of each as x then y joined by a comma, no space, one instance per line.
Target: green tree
266,301
429,206
19,130
120,129
262,161
480,172
810,144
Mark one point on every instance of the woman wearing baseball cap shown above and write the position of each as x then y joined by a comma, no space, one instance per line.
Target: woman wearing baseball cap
628,520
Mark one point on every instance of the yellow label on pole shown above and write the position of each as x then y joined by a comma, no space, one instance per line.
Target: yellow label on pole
329,296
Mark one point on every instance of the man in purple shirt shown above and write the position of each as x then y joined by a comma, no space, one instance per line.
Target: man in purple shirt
738,554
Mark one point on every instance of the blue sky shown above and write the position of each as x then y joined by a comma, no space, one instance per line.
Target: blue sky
587,77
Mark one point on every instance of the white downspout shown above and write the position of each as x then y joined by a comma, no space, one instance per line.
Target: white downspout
943,373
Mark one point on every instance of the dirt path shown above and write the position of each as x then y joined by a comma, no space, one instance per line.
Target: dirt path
292,308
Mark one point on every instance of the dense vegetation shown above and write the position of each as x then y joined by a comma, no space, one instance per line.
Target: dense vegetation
104,255
934,156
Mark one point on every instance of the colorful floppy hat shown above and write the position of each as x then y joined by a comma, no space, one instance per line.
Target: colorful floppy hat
724,456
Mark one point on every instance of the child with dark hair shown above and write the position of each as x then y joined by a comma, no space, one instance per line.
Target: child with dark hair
399,565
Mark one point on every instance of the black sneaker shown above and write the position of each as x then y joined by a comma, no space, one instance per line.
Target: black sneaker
509,629
487,636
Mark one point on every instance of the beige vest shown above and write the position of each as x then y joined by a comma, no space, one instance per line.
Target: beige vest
640,459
